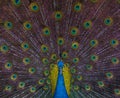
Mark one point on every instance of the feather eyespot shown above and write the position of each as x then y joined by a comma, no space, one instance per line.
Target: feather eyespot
46,31
53,56
76,87
26,60
8,65
21,85
87,24
114,42
74,31
89,67
46,72
94,58
44,48
8,88
87,87
115,60
75,45
60,41
4,48
93,43
25,46
77,7
16,2
8,25
41,81
109,75
64,55
117,91
100,84
48,81
75,60
79,77
73,70
31,70
34,7
27,25
45,61
58,15
108,21
14,77
32,89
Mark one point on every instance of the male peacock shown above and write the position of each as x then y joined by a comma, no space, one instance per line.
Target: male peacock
59,48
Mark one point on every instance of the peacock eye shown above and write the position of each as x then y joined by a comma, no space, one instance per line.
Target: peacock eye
114,42
89,67
46,87
109,75
25,46
87,24
76,87
44,48
117,91
41,81
26,60
75,45
108,21
34,7
53,56
8,25
4,48
48,81
94,58
100,84
60,41
8,88
58,15
14,77
74,31
16,2
79,77
75,60
8,65
87,87
31,70
32,89
64,55
27,25
46,72
77,7
115,60
45,61
73,70
46,31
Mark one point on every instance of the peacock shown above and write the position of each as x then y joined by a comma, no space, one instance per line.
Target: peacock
59,48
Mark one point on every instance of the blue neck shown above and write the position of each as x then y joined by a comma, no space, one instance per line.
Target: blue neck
60,91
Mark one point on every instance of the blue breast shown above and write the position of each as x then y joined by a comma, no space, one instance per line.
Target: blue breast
60,91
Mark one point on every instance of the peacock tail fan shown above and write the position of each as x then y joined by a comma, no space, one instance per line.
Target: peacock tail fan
59,48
